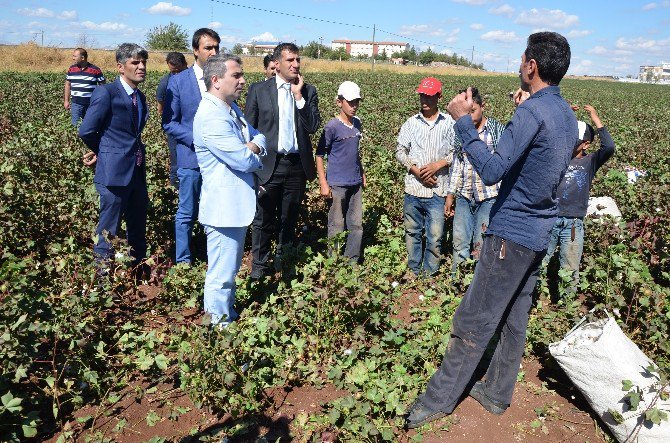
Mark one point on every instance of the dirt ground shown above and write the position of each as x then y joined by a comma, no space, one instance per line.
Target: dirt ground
545,408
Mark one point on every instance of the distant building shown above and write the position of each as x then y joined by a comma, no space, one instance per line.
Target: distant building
655,74
259,48
368,48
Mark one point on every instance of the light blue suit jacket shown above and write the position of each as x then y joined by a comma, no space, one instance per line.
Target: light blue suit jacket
228,195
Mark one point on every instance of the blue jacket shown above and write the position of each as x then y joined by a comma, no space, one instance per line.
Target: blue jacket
531,158
108,130
181,103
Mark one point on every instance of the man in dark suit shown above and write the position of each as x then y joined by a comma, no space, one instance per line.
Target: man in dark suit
181,103
286,110
112,131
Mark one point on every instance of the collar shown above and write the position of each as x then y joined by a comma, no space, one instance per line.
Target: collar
217,101
546,90
440,116
280,81
199,73
126,87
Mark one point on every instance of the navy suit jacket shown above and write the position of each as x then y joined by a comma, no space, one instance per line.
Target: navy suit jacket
108,130
181,103
262,112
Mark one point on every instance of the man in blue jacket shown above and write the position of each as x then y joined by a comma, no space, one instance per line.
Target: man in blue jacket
112,131
530,159
181,103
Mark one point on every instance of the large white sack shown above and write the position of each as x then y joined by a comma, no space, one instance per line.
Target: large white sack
597,356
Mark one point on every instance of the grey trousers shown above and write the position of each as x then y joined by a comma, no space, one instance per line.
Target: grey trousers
346,212
499,298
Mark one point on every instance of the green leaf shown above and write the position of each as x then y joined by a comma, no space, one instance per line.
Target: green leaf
626,385
29,431
633,400
152,418
655,416
11,403
162,362
535,424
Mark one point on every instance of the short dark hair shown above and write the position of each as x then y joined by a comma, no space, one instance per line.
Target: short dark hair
216,65
267,59
126,51
551,52
195,42
175,59
82,52
290,47
476,96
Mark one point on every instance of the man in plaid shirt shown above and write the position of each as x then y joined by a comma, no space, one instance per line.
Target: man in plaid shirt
472,198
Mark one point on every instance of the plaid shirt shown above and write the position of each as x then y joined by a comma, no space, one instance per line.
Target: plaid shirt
421,142
463,179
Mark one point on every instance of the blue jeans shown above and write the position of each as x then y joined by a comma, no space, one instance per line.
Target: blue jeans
190,182
570,250
498,299
470,220
77,112
116,202
225,247
424,216
346,210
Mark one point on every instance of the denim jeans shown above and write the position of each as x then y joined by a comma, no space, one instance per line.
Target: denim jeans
498,299
346,210
77,112
225,248
570,250
190,182
470,220
424,216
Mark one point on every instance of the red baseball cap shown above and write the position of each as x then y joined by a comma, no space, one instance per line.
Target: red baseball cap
429,86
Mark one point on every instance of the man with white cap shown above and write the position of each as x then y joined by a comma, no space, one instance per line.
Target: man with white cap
343,185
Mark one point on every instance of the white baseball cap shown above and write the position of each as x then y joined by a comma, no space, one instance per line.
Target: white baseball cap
349,90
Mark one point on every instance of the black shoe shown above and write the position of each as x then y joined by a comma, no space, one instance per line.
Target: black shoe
494,407
419,414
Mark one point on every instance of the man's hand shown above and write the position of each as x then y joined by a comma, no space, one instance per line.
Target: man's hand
429,181
365,182
431,169
253,147
325,191
520,96
89,159
296,88
449,206
460,105
66,104
594,116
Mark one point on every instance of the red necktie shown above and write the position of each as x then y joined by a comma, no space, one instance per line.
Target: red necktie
139,157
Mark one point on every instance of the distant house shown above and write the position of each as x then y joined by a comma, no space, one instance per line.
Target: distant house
259,48
368,48
655,74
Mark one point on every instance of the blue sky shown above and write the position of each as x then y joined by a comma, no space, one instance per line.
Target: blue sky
607,37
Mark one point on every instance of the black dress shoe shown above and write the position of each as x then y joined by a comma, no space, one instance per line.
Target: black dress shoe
419,414
494,407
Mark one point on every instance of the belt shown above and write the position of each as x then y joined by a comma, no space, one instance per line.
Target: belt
291,156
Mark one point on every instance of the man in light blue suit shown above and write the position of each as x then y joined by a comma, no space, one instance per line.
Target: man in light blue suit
181,102
229,150
112,131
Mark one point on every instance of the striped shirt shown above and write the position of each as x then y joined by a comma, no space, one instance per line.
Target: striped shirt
421,142
83,82
463,179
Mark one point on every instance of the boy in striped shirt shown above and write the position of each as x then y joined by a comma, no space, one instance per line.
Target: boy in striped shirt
82,78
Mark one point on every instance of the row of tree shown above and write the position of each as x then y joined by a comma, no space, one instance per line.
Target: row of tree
173,37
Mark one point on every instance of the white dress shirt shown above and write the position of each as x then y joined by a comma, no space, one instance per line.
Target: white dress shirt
281,102
200,76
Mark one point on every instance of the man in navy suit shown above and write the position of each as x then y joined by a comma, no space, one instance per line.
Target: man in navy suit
286,110
181,103
112,131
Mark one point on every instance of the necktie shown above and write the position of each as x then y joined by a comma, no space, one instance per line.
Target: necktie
287,119
139,157
240,124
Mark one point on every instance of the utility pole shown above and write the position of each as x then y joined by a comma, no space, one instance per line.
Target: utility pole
472,57
374,30
318,55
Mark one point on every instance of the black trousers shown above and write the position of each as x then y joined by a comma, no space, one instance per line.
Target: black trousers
283,193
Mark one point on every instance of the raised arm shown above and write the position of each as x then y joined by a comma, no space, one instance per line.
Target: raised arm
309,114
606,142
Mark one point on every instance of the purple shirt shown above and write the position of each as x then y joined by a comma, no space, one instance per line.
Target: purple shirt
340,143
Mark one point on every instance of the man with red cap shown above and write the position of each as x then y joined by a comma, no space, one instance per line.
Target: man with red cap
425,149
